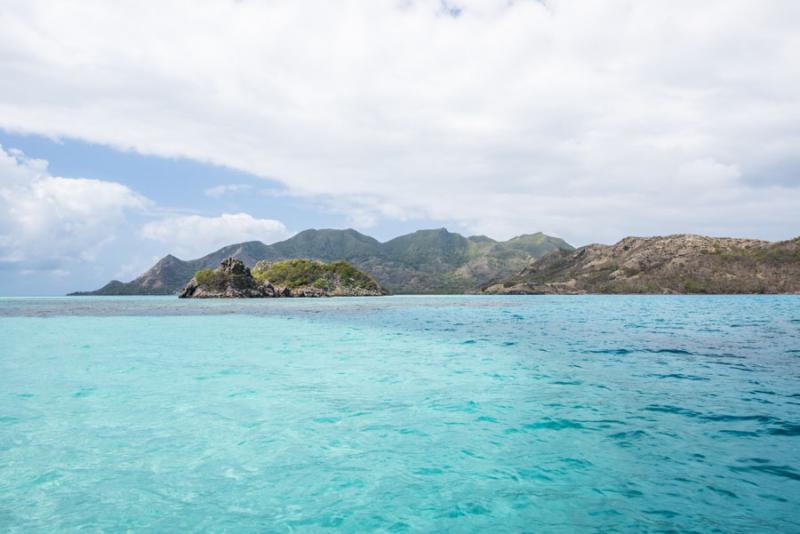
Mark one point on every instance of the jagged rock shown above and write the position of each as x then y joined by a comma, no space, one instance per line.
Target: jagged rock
232,279
307,292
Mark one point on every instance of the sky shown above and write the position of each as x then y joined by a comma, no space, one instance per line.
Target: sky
130,129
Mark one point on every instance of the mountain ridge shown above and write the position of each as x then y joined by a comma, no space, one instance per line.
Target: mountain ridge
425,261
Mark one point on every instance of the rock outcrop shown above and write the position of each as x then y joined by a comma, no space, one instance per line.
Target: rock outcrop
232,279
663,265
289,278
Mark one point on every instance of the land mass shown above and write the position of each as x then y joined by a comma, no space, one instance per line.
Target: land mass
288,278
442,262
662,265
424,262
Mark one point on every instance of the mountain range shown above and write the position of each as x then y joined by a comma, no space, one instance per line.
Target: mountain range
665,264
424,262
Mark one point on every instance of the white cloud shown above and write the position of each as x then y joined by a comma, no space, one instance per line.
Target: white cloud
55,224
191,236
589,120
221,190
48,220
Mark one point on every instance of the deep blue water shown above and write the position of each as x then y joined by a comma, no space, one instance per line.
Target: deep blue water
429,414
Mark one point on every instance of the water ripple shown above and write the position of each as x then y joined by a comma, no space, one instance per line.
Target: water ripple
418,414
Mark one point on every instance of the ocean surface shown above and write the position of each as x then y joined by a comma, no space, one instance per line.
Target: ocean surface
401,414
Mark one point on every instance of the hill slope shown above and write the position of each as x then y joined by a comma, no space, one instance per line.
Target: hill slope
427,261
671,264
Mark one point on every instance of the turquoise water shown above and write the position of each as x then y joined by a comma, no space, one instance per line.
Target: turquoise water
430,414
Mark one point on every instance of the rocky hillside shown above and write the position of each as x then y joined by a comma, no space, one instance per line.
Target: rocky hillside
289,278
672,264
427,261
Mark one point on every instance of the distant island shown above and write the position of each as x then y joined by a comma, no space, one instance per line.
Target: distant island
443,262
663,265
424,262
288,278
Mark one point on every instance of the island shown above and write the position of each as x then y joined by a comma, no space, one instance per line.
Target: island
433,261
441,262
675,264
286,278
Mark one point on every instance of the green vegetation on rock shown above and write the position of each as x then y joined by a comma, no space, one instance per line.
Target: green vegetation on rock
297,273
210,278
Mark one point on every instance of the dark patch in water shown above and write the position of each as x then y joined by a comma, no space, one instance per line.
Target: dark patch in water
772,497
609,512
605,423
629,493
786,429
632,434
326,419
576,463
553,424
740,433
648,351
778,470
428,471
733,418
532,474
666,408
610,351
762,392
664,513
681,376
83,392
724,492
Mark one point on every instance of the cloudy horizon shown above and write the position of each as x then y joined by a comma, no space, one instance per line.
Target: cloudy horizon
131,130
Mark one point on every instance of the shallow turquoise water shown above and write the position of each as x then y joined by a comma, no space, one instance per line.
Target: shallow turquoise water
432,414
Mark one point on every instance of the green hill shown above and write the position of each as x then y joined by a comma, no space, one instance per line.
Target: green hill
426,261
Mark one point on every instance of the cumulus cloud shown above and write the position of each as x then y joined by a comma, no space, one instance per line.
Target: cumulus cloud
589,120
53,224
47,220
191,236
